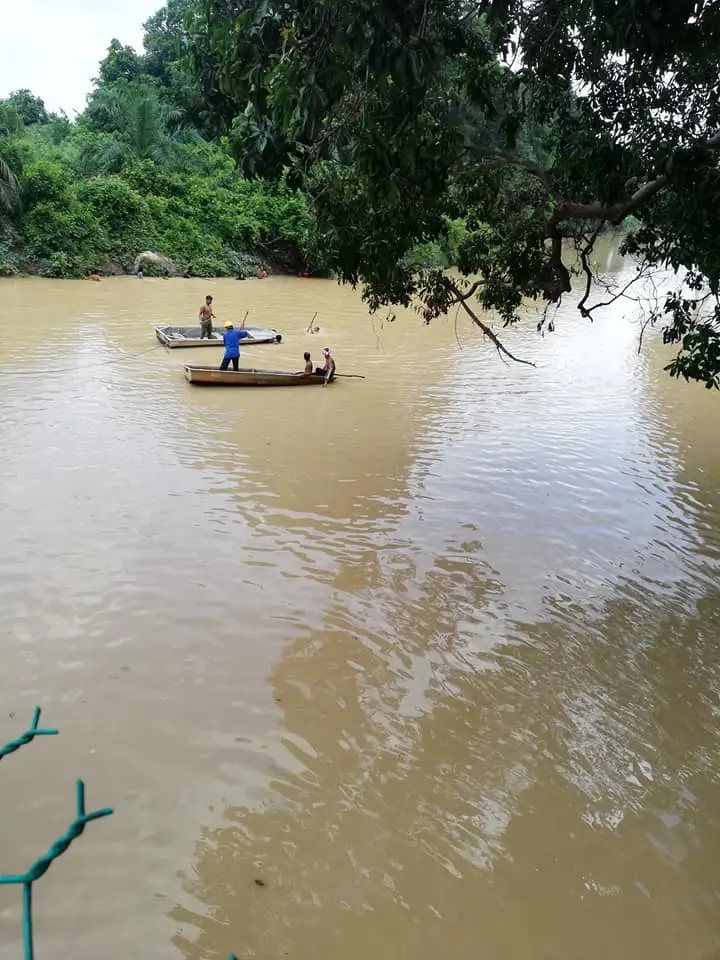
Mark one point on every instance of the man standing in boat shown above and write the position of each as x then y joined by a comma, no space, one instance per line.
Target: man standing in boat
231,339
206,317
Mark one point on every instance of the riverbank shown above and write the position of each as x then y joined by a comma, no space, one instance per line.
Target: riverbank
212,223
157,266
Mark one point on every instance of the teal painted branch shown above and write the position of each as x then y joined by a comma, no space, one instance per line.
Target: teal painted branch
33,731
76,828
43,864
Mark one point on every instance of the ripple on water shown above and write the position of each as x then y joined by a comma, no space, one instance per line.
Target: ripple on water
436,647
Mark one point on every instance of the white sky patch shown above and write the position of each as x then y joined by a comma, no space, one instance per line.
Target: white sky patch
53,47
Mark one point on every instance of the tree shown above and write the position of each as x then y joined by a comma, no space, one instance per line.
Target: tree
166,43
140,123
10,123
9,188
538,122
30,108
120,63
10,120
165,39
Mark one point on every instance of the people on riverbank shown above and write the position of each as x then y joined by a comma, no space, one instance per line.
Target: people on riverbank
231,339
206,317
262,273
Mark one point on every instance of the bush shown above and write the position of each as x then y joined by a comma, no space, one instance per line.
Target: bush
63,266
88,200
45,181
8,260
122,213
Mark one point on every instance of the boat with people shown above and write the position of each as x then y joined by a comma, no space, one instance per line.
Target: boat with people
172,337
249,377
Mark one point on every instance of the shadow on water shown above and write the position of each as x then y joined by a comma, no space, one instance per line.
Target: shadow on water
538,759
579,749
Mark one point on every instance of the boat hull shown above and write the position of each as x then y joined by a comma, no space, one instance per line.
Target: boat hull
178,337
248,377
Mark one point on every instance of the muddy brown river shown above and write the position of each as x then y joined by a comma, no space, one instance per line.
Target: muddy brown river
418,666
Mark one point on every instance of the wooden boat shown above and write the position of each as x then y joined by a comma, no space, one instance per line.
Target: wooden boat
172,337
248,377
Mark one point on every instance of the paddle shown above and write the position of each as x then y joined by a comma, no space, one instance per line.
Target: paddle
242,325
350,376
309,327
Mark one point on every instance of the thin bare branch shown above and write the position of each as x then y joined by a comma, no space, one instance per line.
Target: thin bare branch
647,321
643,273
457,337
499,346
584,254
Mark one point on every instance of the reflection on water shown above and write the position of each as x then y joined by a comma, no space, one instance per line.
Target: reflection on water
423,664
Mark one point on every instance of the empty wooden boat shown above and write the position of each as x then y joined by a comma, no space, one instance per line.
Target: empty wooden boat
173,337
248,377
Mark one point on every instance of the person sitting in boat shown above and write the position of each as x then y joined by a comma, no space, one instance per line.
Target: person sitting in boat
328,370
231,339
206,317
308,371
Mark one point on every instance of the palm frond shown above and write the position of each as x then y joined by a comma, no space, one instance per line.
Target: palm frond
9,187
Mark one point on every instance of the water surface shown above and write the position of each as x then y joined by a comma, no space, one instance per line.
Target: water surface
434,655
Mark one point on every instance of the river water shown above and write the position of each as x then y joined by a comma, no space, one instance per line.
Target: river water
422,665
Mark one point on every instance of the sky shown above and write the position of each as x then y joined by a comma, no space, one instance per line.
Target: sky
53,47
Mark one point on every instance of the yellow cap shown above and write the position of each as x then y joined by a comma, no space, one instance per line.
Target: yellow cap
228,323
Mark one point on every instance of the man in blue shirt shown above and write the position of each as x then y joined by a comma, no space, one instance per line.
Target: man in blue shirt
231,339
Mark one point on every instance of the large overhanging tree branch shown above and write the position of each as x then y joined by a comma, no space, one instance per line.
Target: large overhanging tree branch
598,213
568,210
506,132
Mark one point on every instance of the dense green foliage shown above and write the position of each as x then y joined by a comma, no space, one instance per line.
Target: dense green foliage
137,171
539,123
384,142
